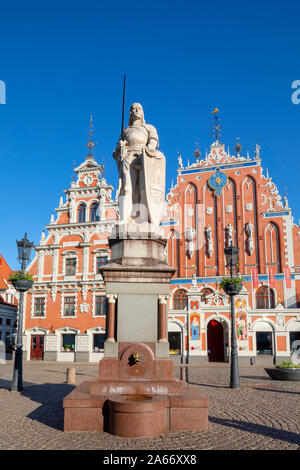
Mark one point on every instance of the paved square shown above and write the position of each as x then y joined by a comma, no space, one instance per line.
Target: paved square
263,414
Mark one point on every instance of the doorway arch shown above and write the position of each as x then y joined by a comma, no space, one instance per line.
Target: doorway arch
215,341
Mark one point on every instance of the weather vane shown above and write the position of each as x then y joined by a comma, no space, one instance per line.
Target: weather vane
216,125
91,144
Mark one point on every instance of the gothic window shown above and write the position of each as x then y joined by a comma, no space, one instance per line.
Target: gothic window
70,266
69,307
94,212
265,298
100,305
205,293
81,213
39,307
180,300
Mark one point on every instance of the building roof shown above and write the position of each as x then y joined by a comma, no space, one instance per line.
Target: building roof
5,271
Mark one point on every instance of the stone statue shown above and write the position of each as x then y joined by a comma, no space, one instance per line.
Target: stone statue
229,230
209,239
190,234
141,170
250,242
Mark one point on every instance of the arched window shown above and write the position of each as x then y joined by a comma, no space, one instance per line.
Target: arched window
180,300
81,213
94,212
265,298
205,293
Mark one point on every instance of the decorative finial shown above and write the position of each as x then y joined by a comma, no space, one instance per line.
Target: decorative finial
197,153
91,144
238,146
216,125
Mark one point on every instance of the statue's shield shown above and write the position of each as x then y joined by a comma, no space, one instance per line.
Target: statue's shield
154,174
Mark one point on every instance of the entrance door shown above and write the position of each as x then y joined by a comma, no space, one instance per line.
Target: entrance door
215,342
37,347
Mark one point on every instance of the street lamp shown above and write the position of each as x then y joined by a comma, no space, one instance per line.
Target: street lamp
22,285
231,254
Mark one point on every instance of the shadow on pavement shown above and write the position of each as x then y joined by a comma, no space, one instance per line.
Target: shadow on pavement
51,412
279,434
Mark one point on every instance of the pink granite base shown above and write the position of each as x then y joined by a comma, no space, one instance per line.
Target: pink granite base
135,400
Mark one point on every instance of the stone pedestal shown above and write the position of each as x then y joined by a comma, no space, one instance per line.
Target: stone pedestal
135,394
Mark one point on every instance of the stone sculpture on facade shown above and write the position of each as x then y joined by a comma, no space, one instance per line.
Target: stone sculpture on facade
141,170
209,241
250,242
190,234
229,232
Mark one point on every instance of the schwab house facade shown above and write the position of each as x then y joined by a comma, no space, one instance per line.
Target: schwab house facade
216,200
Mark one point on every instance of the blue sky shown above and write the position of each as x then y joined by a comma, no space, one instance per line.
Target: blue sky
63,60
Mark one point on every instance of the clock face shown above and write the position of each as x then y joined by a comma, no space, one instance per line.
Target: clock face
217,181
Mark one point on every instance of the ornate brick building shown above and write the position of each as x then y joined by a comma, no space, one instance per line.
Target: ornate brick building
216,200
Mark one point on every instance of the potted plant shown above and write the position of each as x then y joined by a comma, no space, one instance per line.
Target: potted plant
67,347
21,280
232,285
284,371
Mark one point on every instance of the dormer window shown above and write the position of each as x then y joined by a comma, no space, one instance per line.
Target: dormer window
81,213
94,212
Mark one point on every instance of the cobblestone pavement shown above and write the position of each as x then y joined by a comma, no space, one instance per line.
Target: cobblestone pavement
263,414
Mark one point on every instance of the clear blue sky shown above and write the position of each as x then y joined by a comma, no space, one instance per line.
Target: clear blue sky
63,60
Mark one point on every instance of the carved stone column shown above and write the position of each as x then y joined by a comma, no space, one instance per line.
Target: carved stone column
111,318
162,319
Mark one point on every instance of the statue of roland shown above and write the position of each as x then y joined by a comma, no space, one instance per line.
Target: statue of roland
141,167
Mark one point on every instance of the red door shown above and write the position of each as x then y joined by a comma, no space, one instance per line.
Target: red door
37,347
215,341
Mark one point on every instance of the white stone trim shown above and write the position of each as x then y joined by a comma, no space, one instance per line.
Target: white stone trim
38,296
97,294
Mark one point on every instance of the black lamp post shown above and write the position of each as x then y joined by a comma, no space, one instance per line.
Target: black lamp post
231,254
22,285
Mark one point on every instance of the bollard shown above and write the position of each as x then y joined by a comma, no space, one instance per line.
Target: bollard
71,376
183,373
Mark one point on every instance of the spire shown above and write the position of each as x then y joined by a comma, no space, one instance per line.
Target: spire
91,144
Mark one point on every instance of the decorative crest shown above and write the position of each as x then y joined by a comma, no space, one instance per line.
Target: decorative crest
197,153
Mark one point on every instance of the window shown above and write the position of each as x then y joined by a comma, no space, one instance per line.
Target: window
68,342
70,266
180,300
264,342
265,298
7,339
39,307
294,336
100,261
205,293
174,342
94,212
98,341
8,321
81,213
100,305
69,306
1,320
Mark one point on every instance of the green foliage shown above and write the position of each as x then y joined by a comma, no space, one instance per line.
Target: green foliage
231,280
287,365
20,275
